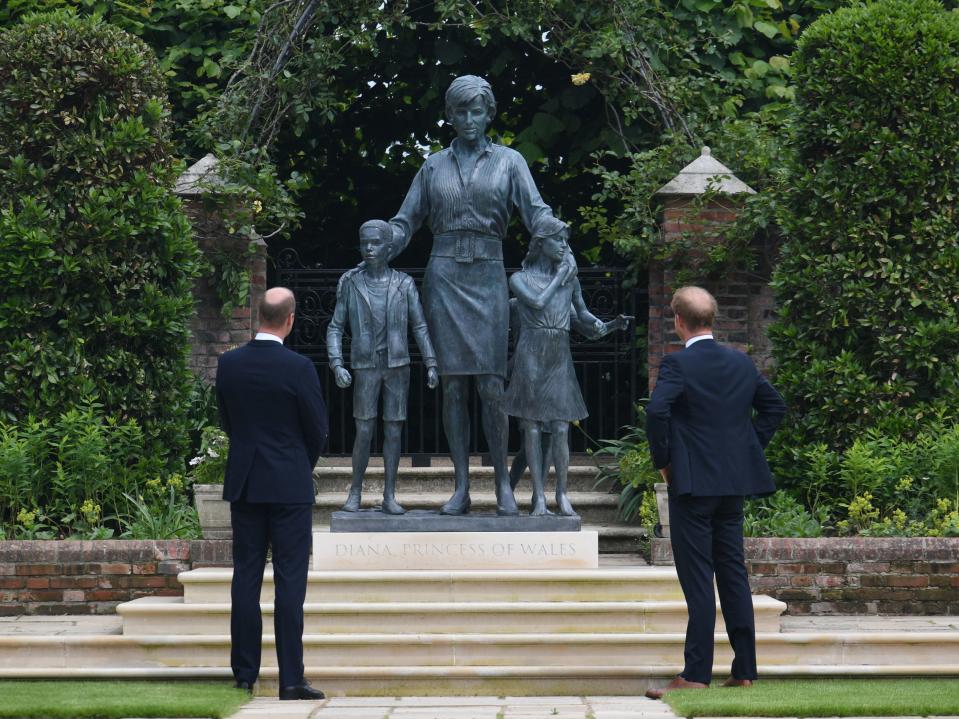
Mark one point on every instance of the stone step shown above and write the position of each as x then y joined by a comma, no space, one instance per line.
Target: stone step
593,507
619,538
336,480
171,616
851,654
612,584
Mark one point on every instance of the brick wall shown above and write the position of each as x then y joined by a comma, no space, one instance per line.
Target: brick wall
745,299
853,575
813,576
92,577
212,333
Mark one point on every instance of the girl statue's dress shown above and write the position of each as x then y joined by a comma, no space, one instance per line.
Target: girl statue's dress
543,385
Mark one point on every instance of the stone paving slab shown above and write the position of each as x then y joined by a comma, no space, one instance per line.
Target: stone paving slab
459,708
599,707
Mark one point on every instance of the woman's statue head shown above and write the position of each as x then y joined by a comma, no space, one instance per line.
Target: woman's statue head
470,106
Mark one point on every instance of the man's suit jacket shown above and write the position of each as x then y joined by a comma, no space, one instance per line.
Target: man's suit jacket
700,421
272,408
403,309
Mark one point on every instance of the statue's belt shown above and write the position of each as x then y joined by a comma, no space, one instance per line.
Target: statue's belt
464,246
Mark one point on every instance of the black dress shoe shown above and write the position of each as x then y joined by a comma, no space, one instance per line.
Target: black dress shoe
301,691
245,686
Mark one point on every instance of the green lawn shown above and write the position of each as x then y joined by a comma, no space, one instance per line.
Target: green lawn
110,700
822,698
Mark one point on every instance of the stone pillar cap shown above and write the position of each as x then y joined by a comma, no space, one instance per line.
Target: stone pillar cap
703,174
199,178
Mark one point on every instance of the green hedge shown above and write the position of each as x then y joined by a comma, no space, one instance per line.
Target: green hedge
868,282
97,258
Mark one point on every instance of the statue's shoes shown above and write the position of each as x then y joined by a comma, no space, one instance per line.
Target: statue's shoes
457,508
391,507
508,507
564,508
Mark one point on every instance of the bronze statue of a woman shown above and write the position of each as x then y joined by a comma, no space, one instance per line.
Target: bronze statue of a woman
466,194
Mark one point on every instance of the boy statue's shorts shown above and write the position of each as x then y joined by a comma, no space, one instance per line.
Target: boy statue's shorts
395,385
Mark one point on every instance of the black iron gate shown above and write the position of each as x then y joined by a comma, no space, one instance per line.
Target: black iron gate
611,371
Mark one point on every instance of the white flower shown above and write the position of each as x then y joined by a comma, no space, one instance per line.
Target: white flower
195,461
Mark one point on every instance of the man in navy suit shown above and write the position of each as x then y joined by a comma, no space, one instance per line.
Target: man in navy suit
708,444
271,406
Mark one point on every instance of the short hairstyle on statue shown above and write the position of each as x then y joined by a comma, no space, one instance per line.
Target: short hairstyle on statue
382,228
544,226
464,88
695,306
273,313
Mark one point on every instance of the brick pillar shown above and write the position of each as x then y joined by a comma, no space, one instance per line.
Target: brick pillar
212,332
743,294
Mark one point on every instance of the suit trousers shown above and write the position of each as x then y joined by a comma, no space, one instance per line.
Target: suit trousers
706,534
287,528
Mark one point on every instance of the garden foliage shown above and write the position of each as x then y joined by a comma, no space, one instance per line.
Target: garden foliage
605,100
868,282
79,475
96,256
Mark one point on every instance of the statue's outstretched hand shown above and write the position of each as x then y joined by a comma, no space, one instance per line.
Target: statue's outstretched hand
623,321
343,378
620,322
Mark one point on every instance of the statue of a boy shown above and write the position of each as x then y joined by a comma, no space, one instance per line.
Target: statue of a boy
377,303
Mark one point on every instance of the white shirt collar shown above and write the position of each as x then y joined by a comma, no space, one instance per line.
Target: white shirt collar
268,336
693,340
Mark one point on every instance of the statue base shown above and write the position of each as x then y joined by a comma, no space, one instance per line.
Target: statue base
423,520
438,550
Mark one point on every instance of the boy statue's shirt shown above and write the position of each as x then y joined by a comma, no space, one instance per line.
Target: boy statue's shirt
377,314
377,290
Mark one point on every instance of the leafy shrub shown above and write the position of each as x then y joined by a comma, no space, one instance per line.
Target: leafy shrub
171,518
201,413
782,515
626,463
69,476
879,486
882,485
209,466
96,255
942,520
868,282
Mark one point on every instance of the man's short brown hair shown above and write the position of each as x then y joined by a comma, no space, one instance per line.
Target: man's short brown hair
274,313
695,306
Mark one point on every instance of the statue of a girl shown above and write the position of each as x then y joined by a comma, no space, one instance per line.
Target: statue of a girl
543,392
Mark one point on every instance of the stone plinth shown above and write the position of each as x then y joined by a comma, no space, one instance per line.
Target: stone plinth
355,551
